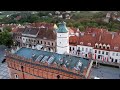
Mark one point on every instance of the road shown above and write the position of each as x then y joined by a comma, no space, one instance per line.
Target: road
3,66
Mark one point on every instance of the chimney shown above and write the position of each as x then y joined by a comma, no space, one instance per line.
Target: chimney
113,35
100,38
93,34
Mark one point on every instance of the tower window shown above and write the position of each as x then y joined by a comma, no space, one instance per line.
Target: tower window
41,42
52,44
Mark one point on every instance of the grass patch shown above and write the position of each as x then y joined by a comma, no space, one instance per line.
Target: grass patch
2,16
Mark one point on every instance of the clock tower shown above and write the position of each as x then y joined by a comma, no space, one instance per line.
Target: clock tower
62,39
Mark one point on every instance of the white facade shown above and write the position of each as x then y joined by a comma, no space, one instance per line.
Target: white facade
101,55
84,50
62,43
72,49
115,57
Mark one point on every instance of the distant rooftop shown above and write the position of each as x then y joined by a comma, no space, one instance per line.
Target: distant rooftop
50,57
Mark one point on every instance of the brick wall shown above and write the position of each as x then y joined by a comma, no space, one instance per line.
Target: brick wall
36,72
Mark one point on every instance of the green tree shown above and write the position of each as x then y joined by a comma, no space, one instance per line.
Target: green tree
7,28
6,38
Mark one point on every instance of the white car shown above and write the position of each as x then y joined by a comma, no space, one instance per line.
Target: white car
96,78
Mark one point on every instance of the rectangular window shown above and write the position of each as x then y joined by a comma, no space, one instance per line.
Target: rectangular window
99,56
48,43
90,50
102,52
106,53
116,54
86,49
41,42
95,51
99,52
78,48
38,42
113,54
52,44
73,48
82,49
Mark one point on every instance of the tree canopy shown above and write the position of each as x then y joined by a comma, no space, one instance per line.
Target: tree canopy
6,38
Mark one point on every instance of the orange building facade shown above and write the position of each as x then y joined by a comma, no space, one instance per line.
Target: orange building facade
24,68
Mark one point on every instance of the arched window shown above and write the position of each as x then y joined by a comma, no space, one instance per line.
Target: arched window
104,46
38,42
16,76
108,46
100,45
96,45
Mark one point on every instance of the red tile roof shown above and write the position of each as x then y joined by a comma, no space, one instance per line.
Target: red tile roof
87,38
73,40
95,30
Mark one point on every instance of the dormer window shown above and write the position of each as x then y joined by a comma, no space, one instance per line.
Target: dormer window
89,44
100,45
108,46
81,43
96,45
104,46
115,48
